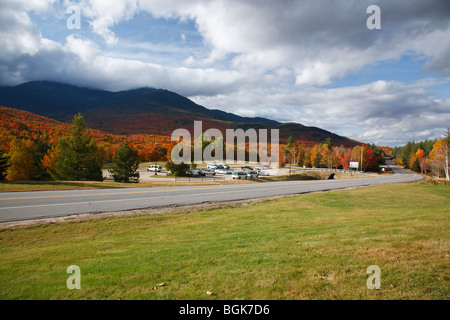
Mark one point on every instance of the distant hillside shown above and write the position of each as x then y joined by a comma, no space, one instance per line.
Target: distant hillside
143,111
15,123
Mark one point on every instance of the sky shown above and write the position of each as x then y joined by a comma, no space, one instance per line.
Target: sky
315,62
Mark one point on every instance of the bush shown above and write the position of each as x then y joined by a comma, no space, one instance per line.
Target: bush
125,165
178,170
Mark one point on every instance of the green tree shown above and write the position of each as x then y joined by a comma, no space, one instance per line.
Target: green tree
78,160
3,165
416,165
293,151
329,142
178,170
125,165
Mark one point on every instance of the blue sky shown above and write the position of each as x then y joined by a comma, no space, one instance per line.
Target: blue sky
311,62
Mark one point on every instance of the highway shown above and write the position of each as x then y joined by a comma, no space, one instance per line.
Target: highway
19,206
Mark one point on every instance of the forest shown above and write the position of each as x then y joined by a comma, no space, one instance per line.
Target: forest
33,147
428,157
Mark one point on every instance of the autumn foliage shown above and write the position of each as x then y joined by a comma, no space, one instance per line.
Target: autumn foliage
21,131
39,144
326,155
428,157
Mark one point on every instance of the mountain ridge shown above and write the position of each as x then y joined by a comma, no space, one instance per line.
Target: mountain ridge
143,111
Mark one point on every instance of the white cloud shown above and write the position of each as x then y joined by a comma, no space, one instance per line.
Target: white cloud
103,15
381,112
269,58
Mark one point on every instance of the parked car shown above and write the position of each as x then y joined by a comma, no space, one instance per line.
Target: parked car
154,167
211,172
211,166
239,175
252,174
201,172
222,166
196,173
263,173
229,171
259,168
246,168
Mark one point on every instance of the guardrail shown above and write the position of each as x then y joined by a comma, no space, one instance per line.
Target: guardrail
326,169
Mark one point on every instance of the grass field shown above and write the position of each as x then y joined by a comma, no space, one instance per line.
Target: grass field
314,246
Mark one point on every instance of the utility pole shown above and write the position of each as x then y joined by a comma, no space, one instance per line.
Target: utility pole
156,159
290,168
362,149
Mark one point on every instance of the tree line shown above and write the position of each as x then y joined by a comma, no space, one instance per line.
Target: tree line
427,157
23,125
74,157
78,156
327,155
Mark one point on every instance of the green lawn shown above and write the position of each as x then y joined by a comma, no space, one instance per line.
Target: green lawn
314,246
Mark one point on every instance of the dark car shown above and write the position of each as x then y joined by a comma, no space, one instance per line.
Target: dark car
195,173
246,168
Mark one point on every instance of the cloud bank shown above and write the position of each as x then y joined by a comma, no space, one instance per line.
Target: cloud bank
312,62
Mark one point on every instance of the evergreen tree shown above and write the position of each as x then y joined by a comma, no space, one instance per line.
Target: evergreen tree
78,159
329,143
416,165
178,170
3,165
125,165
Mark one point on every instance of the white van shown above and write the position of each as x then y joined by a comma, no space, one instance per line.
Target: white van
252,174
239,175
154,167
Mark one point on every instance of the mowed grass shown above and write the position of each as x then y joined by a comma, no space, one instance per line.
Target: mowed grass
313,246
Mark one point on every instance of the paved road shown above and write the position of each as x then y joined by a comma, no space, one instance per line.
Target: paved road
17,206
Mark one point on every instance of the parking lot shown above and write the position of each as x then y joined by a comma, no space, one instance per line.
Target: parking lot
146,176
220,174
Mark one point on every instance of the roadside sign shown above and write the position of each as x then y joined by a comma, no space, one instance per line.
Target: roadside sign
354,165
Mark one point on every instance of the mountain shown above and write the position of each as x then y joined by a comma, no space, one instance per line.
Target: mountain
15,123
143,111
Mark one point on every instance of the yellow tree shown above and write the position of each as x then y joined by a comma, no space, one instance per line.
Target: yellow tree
316,155
439,158
21,161
356,155
326,159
